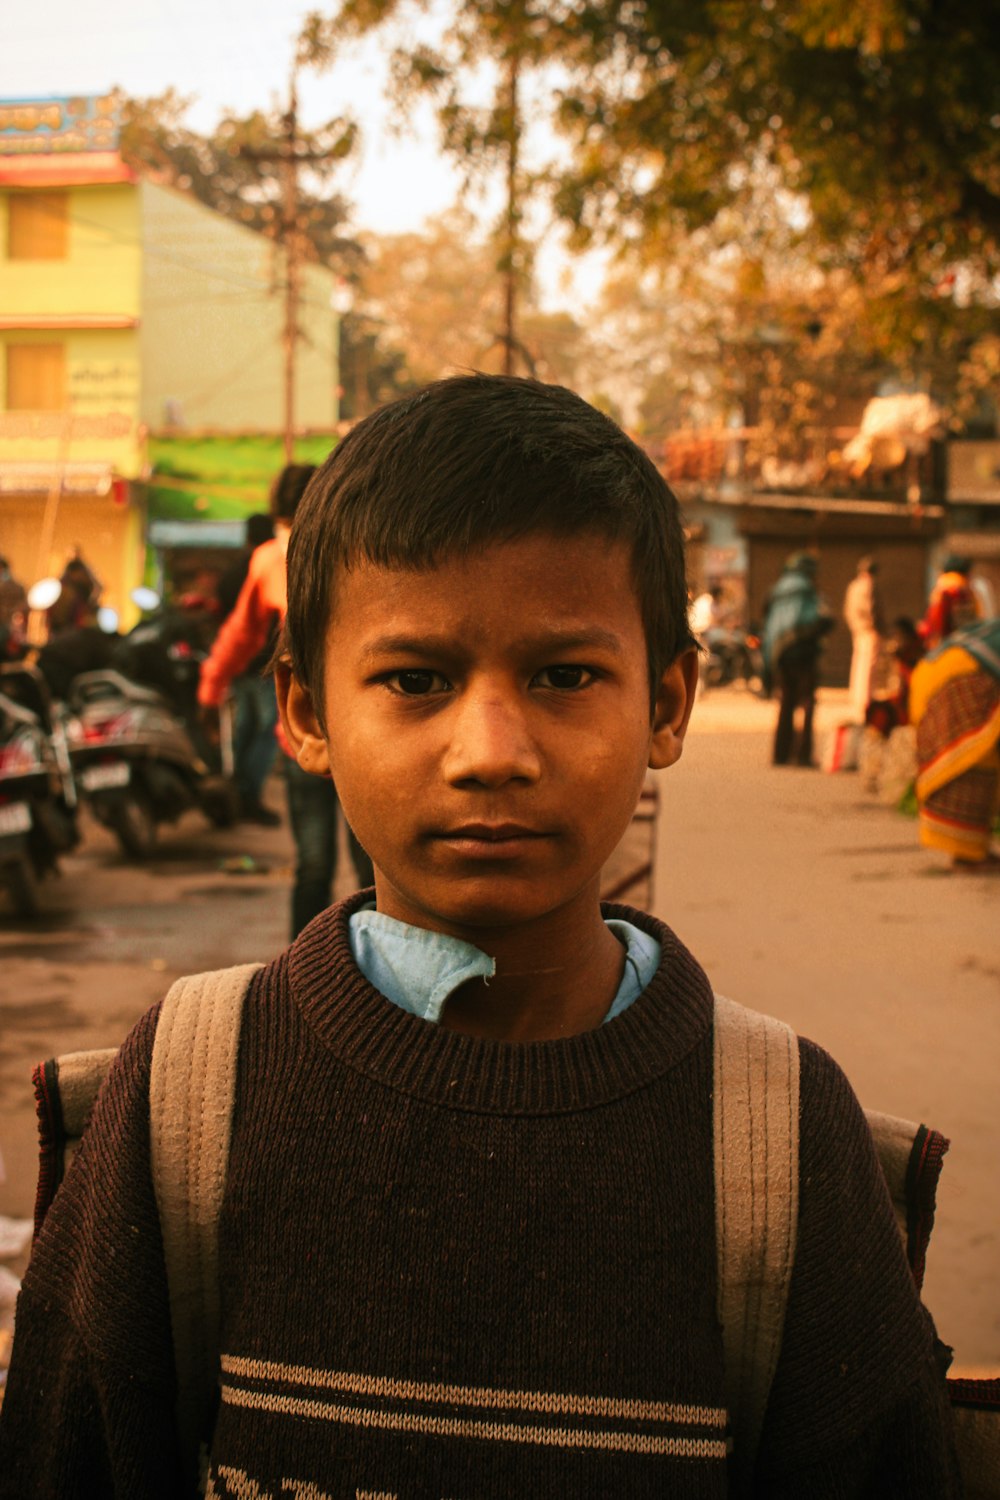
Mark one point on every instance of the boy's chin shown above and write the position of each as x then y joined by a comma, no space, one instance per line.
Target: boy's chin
481,905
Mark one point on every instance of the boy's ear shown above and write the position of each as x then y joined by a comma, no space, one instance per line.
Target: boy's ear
300,721
672,710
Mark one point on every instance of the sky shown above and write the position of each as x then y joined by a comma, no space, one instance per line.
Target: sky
235,54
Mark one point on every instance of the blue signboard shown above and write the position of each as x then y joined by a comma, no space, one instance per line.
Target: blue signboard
85,122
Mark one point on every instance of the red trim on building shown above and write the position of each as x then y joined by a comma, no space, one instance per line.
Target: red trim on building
69,169
56,322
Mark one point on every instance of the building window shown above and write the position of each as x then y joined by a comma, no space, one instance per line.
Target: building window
38,226
36,377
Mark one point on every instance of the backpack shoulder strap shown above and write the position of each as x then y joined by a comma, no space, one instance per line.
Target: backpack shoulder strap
191,1092
756,1143
66,1089
756,1201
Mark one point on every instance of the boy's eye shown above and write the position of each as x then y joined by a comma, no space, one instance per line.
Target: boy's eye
565,678
415,682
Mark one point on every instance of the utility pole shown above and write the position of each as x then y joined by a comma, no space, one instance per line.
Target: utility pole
290,236
512,247
511,261
289,155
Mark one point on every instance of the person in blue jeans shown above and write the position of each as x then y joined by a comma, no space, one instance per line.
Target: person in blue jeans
249,632
314,813
256,716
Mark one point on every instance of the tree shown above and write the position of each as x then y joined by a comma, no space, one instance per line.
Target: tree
436,298
237,171
883,115
873,128
510,39
877,125
373,370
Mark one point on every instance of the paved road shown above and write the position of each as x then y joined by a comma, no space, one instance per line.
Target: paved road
798,894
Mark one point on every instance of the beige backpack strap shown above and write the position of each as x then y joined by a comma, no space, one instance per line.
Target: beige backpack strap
756,1131
191,1092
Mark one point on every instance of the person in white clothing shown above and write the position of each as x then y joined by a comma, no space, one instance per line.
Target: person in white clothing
863,617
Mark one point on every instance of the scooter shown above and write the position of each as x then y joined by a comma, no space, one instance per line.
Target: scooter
139,754
38,800
733,656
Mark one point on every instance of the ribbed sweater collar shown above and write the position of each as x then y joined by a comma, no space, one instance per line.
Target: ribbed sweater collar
370,1034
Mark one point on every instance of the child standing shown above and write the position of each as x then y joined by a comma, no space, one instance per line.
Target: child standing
468,1239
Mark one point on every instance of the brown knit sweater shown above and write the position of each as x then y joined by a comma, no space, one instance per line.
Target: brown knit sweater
454,1269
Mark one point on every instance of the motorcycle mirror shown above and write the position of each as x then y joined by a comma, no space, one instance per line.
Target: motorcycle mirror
145,598
44,593
107,619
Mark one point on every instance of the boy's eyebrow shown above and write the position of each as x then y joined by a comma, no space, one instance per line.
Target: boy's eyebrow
571,639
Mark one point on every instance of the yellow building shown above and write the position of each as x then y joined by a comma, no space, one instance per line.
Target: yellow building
126,307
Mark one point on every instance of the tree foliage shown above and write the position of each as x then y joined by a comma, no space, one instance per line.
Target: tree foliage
867,130
236,170
435,296
884,115
496,43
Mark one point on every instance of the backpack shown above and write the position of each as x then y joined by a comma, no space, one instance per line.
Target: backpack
755,1105
756,1116
191,1089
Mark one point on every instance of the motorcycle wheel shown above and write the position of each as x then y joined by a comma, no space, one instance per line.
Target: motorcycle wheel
22,887
746,673
221,804
134,826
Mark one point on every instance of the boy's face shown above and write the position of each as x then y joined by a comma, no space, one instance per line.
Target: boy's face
488,726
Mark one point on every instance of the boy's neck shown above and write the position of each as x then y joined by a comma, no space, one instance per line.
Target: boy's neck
555,977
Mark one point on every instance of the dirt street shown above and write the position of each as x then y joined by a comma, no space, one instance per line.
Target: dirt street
800,895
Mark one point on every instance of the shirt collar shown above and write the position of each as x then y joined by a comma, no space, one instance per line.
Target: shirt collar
418,969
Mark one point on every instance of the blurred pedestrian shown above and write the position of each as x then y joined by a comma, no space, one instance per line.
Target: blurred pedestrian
892,709
706,614
863,617
13,600
254,744
794,627
953,605
955,705
985,593
313,806
79,597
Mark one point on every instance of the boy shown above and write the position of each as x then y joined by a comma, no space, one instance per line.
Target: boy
468,1242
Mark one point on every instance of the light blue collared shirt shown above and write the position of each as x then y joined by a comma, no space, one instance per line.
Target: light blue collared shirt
417,969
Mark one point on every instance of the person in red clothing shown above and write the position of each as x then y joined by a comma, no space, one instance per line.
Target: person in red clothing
262,601
953,604
260,607
254,744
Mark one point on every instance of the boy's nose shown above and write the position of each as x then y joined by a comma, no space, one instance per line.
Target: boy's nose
490,743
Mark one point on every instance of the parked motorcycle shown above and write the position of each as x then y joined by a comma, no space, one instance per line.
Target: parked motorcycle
733,656
38,799
138,751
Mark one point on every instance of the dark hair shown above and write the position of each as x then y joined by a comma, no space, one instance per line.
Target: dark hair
288,489
259,529
472,460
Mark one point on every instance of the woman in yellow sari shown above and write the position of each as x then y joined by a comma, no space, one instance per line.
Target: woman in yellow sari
955,705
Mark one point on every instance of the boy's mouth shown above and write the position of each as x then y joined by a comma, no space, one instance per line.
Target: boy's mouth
490,840
490,833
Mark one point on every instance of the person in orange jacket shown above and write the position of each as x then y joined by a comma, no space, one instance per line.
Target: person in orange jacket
312,801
